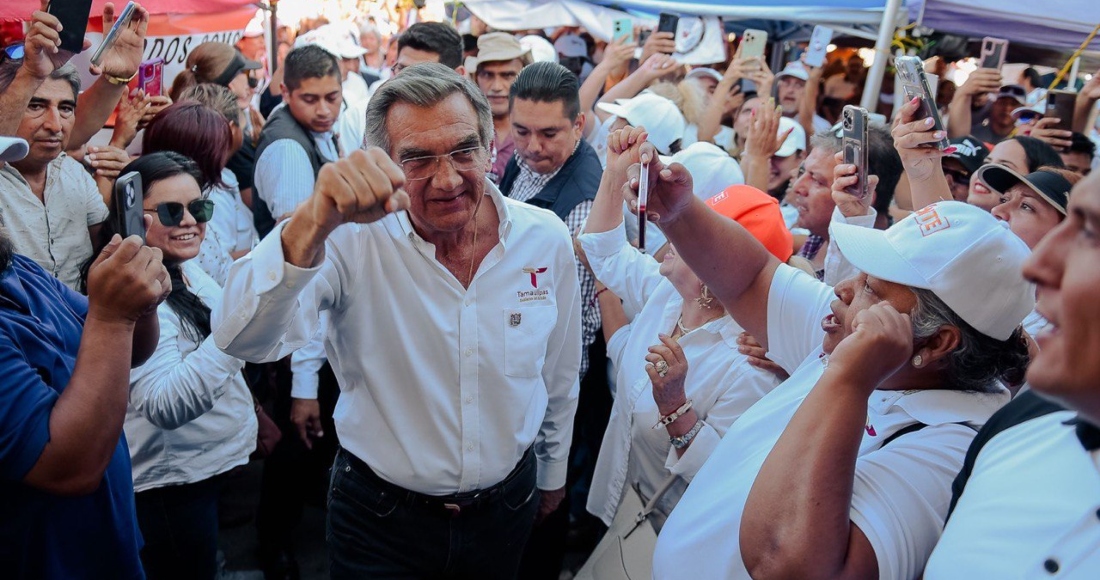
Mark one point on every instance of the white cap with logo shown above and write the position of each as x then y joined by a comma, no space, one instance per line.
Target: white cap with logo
12,149
967,257
661,117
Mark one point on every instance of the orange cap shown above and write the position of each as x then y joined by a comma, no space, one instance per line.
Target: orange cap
759,213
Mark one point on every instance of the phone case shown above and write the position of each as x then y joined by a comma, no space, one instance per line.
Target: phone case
667,22
993,52
73,16
912,83
855,122
1060,104
623,29
819,45
151,77
643,200
129,209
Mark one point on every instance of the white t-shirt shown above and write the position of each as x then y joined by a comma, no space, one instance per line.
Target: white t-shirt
1031,508
901,492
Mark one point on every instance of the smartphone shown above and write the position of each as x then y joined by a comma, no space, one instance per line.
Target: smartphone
667,22
121,22
643,200
623,28
993,52
854,123
151,77
753,43
819,46
746,86
1060,104
129,207
913,83
73,16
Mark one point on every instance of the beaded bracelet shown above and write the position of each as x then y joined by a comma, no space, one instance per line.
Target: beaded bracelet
668,419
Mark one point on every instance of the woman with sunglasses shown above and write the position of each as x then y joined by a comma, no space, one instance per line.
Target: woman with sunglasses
190,417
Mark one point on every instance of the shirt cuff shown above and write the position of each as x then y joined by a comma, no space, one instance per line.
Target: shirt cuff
705,441
272,270
551,474
866,221
604,244
303,385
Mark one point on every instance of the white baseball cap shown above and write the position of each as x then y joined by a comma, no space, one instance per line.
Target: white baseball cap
661,117
540,48
794,142
12,149
336,40
712,169
794,69
704,71
967,257
571,46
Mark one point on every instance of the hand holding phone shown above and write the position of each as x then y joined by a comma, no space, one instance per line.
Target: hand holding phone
623,30
73,16
913,83
151,77
819,46
854,124
753,43
643,200
129,205
1060,105
993,52
109,40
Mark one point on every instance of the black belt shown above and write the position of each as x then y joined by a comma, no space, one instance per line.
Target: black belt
450,506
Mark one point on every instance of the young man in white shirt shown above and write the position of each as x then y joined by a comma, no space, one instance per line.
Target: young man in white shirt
845,469
454,333
1029,507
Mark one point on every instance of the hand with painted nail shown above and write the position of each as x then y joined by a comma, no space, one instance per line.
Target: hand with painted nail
915,141
845,178
1046,129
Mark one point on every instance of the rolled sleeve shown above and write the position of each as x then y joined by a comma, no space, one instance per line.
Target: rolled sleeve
630,274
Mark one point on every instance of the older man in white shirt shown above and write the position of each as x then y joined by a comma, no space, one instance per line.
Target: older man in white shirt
455,335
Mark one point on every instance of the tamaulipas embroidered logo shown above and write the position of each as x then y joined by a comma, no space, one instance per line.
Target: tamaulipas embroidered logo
537,293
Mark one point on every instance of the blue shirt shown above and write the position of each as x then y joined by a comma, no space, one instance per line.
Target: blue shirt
43,535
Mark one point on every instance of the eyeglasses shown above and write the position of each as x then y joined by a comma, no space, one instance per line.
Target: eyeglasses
397,68
170,213
417,168
1026,117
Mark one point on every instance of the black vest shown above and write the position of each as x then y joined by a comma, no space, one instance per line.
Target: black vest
281,125
578,180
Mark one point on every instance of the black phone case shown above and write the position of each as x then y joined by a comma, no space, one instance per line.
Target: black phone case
667,22
73,16
1060,104
129,208
855,126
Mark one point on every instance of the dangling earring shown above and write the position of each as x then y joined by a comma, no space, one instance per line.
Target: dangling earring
705,298
917,361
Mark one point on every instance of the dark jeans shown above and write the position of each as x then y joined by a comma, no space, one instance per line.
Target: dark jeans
375,532
292,473
180,526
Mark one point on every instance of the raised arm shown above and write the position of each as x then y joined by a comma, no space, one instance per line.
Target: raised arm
725,256
655,67
41,57
922,162
1085,104
761,144
983,80
807,108
125,284
725,94
616,57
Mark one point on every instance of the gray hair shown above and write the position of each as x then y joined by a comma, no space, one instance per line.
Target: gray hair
980,360
425,85
827,140
69,74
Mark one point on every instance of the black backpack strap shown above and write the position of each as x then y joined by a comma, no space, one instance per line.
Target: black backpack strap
904,431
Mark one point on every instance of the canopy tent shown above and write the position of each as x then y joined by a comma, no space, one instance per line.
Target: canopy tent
530,14
1059,25
829,12
22,9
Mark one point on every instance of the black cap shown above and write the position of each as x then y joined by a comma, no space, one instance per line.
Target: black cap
970,152
234,68
1046,184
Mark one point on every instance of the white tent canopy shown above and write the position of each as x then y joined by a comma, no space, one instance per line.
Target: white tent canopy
1059,25
529,14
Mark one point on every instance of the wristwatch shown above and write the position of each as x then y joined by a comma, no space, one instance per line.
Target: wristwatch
685,439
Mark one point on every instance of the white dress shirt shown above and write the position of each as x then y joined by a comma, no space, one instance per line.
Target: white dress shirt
229,230
1031,508
443,388
720,382
901,491
190,414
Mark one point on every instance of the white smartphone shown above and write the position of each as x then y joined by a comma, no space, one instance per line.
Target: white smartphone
121,22
819,46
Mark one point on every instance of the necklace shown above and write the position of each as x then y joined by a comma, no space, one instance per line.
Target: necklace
473,254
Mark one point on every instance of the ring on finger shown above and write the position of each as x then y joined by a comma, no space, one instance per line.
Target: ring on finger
662,368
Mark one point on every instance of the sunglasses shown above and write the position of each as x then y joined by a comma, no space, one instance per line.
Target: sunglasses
170,213
1026,117
15,51
959,177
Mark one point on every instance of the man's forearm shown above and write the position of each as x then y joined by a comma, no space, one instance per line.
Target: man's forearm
756,171
94,106
14,100
87,419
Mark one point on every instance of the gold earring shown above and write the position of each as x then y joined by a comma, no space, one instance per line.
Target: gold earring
705,298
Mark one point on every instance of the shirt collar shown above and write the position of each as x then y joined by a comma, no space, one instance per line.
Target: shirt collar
939,407
548,176
11,288
1087,433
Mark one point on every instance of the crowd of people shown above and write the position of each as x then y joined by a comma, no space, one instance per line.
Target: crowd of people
798,380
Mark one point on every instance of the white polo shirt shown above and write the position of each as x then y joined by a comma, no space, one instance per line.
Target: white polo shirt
901,491
443,388
1031,508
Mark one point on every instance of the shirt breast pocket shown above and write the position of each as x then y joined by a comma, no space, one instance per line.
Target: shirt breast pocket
526,331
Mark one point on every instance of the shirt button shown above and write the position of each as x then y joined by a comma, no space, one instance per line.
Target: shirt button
469,352
1051,565
271,276
469,399
470,447
469,301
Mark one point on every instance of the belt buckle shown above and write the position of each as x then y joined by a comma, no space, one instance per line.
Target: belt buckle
453,508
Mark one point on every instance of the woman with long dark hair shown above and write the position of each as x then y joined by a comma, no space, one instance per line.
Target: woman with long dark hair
190,417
